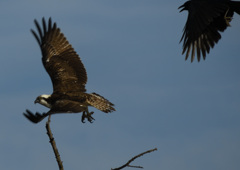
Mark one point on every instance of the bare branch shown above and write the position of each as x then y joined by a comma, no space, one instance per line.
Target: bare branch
53,143
135,157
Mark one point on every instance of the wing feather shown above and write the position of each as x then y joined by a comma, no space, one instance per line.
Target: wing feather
201,30
61,62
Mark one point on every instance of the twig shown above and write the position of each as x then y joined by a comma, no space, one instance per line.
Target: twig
53,143
135,157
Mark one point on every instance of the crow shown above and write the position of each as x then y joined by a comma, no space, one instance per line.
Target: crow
206,19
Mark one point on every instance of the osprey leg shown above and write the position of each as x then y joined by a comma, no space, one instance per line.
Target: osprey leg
88,115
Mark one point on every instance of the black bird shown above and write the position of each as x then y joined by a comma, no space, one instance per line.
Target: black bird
206,19
68,76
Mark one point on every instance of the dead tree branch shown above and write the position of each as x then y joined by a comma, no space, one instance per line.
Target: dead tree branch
135,157
53,143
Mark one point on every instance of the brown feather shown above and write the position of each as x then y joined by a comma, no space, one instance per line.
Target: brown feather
68,77
62,63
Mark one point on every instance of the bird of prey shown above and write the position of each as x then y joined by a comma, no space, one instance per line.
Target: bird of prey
206,19
68,77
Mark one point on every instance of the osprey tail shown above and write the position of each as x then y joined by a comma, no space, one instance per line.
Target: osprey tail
100,103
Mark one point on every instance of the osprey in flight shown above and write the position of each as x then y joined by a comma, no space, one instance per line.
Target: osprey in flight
68,76
206,18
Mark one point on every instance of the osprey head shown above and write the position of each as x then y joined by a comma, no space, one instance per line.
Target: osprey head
42,99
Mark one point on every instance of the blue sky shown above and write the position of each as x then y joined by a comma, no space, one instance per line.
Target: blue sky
130,48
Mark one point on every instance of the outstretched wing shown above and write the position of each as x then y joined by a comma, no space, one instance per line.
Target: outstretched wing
201,32
35,118
62,63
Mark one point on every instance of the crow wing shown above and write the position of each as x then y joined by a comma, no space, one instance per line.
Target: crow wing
61,62
205,20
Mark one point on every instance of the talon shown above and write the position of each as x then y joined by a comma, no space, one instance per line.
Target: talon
227,19
83,117
87,115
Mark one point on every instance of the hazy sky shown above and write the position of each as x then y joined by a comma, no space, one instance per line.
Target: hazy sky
130,48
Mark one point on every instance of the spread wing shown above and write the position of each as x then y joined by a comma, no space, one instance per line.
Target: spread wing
201,32
35,118
62,63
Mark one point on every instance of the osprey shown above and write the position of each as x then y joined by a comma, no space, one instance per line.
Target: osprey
68,77
206,18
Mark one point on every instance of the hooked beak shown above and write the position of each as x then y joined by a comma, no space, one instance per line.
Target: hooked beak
36,101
